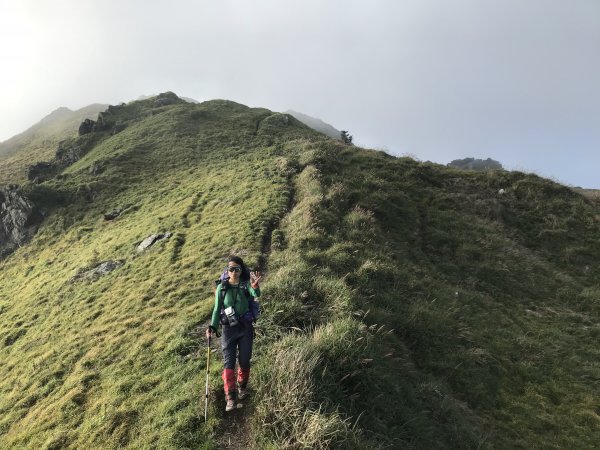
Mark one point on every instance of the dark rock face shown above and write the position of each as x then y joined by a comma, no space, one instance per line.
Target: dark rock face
19,220
86,127
40,171
104,122
68,153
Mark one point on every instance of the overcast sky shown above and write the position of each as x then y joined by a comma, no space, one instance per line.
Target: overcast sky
514,80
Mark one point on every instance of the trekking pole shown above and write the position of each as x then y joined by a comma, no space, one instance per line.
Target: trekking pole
206,390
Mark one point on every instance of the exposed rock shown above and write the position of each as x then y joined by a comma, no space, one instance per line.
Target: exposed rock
67,153
151,240
19,220
40,171
70,151
87,126
98,271
113,214
103,122
501,192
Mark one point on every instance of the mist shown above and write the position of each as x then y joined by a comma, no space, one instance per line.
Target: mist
511,80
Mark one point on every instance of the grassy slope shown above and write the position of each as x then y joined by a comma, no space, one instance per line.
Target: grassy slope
407,304
39,142
493,300
96,364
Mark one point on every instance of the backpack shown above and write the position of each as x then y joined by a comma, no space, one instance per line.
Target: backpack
253,305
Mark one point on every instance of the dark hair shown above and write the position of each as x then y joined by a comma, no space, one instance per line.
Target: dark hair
245,275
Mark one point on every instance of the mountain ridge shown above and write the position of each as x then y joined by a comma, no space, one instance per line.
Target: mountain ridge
316,124
39,142
386,278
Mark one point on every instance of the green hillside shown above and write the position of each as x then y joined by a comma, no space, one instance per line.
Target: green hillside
406,304
39,142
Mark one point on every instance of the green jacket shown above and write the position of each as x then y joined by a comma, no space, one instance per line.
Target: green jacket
234,296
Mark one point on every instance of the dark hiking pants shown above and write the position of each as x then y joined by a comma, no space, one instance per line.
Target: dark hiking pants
237,339
234,340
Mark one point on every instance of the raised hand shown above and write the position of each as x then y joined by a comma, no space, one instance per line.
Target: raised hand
255,278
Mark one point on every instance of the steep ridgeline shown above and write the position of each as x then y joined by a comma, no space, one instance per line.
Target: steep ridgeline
406,305
316,124
39,142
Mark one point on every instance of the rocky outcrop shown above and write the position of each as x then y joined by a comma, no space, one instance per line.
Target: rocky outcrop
86,127
151,240
113,214
119,211
111,121
104,123
41,171
19,220
68,152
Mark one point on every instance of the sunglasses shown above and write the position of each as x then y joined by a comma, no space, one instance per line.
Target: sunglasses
234,269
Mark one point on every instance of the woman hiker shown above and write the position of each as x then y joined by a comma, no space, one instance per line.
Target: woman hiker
233,311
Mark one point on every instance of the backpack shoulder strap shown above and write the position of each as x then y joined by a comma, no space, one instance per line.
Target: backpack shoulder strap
224,284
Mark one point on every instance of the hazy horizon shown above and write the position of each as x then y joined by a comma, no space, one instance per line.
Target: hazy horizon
510,80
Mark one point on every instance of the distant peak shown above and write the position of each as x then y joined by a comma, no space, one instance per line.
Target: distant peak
315,123
58,113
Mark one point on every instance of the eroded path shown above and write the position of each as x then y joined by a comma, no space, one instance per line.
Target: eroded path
234,429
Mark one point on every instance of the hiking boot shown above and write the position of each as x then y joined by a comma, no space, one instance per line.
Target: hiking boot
230,406
242,393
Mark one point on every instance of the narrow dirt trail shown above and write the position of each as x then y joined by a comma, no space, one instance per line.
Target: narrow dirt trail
235,426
